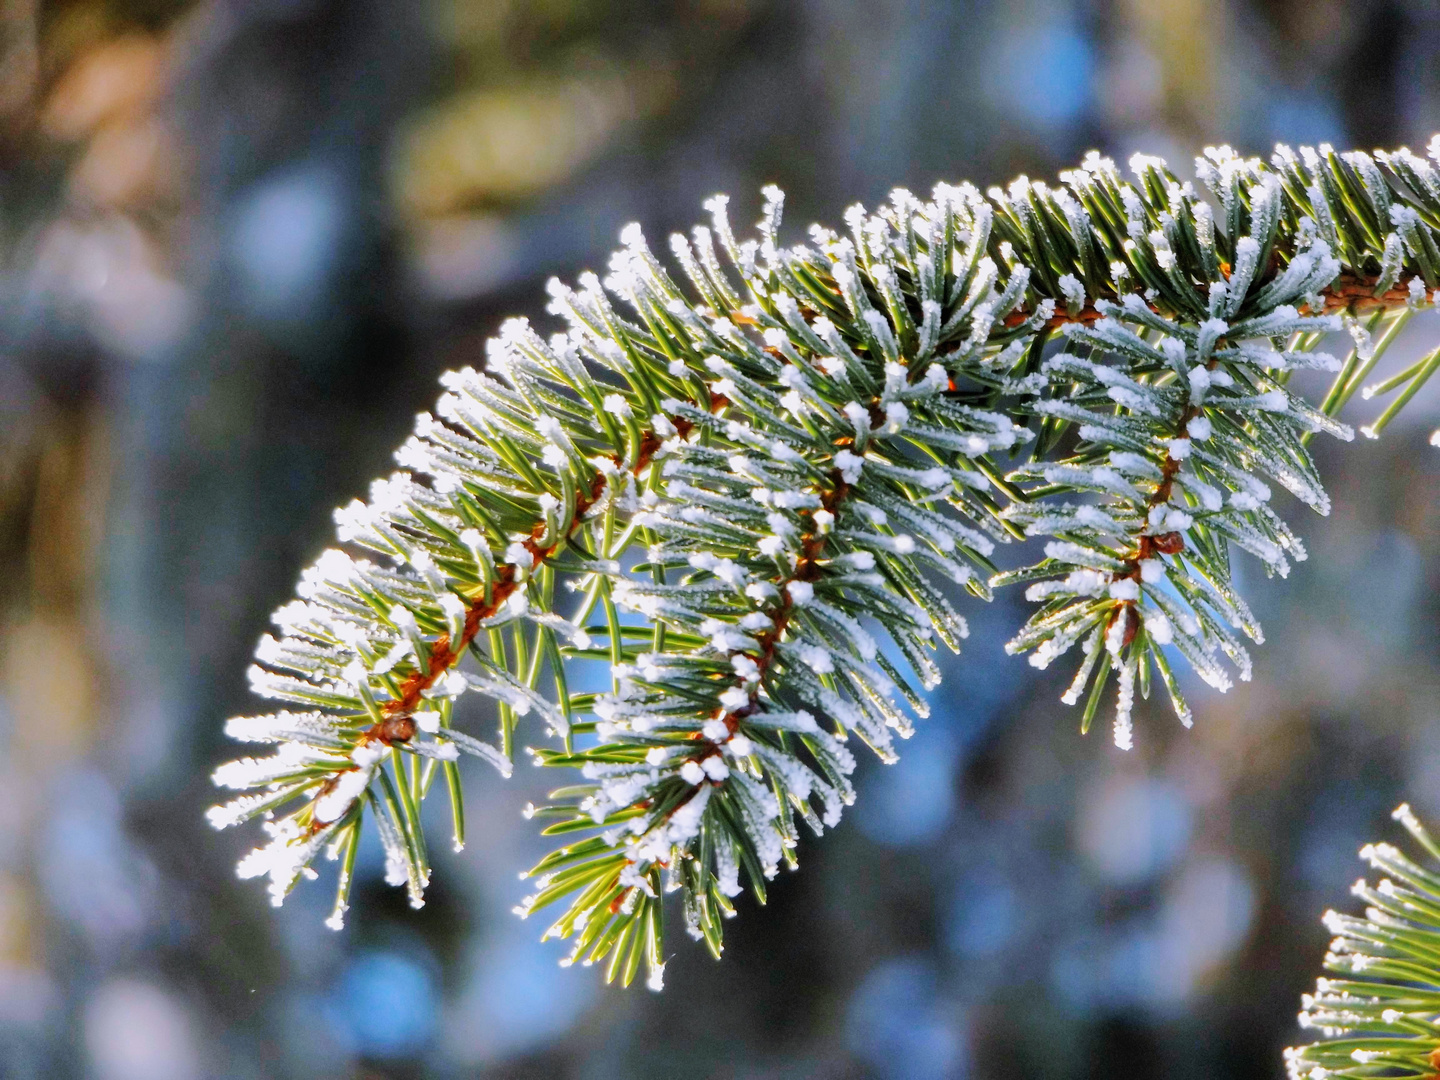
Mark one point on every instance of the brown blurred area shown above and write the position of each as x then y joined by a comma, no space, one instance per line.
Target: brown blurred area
239,239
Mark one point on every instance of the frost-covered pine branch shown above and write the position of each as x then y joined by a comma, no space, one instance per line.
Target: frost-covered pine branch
1379,1018
751,491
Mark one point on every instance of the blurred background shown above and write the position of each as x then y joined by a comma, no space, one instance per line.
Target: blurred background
241,239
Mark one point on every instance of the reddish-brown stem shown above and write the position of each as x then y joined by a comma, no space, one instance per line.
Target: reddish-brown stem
1350,292
812,546
442,655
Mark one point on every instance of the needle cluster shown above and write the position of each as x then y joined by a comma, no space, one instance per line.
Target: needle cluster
710,531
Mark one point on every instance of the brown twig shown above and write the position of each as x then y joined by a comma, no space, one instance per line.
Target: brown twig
442,655
1349,292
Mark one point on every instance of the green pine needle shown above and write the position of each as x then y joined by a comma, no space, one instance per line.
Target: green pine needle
1382,1016
751,490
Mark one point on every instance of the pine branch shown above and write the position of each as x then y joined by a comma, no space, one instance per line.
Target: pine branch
1379,1018
770,461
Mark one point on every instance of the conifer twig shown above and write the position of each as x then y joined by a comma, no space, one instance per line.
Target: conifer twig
748,493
